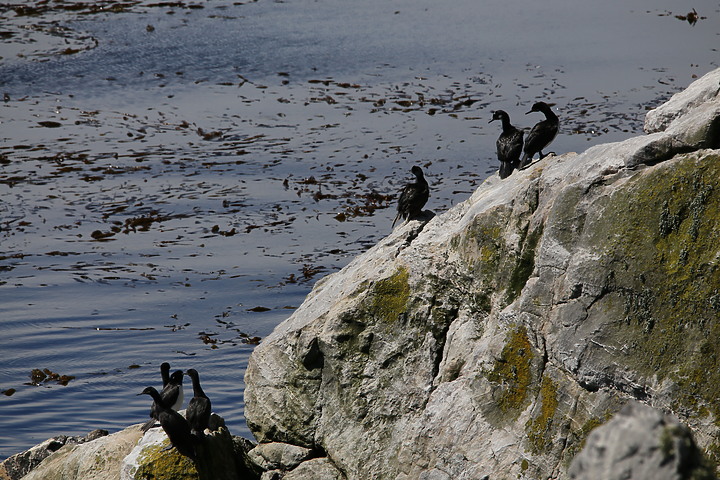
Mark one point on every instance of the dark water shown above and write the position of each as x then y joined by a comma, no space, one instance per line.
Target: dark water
166,170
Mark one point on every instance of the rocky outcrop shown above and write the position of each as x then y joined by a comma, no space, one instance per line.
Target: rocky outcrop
98,459
130,454
491,340
640,442
17,466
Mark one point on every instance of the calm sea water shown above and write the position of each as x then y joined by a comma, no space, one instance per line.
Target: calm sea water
175,179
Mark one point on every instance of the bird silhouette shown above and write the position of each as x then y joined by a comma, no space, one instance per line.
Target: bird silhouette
541,134
199,407
509,144
413,196
175,426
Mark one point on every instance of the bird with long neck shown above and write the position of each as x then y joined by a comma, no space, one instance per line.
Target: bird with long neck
509,144
541,134
175,426
172,394
199,407
413,196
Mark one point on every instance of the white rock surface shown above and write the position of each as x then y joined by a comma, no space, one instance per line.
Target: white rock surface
703,91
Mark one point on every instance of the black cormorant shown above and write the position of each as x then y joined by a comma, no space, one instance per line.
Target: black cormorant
509,144
175,426
413,196
541,134
199,407
172,394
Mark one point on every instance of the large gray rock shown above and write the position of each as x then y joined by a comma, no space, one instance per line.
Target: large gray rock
640,443
494,337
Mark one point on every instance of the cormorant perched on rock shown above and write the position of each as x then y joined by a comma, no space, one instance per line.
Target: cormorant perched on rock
541,134
175,426
413,196
172,394
199,407
509,144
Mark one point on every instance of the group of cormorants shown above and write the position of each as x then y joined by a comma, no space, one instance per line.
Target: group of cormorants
184,432
510,146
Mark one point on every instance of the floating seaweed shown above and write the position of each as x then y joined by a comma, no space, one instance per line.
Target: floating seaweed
309,271
50,124
43,377
225,233
100,235
691,17
259,309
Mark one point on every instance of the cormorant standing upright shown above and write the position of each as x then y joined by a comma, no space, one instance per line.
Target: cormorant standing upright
541,134
175,426
172,395
509,144
199,407
413,196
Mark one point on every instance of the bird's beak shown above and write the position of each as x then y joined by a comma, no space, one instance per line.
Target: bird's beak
528,112
491,120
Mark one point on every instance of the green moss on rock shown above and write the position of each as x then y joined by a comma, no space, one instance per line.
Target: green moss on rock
216,460
658,237
157,464
539,429
524,265
390,296
513,372
482,247
495,266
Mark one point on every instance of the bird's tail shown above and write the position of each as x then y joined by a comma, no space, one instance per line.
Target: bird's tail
506,168
397,217
148,425
526,160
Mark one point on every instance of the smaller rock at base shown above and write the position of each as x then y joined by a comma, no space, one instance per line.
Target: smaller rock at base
277,455
317,469
644,443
